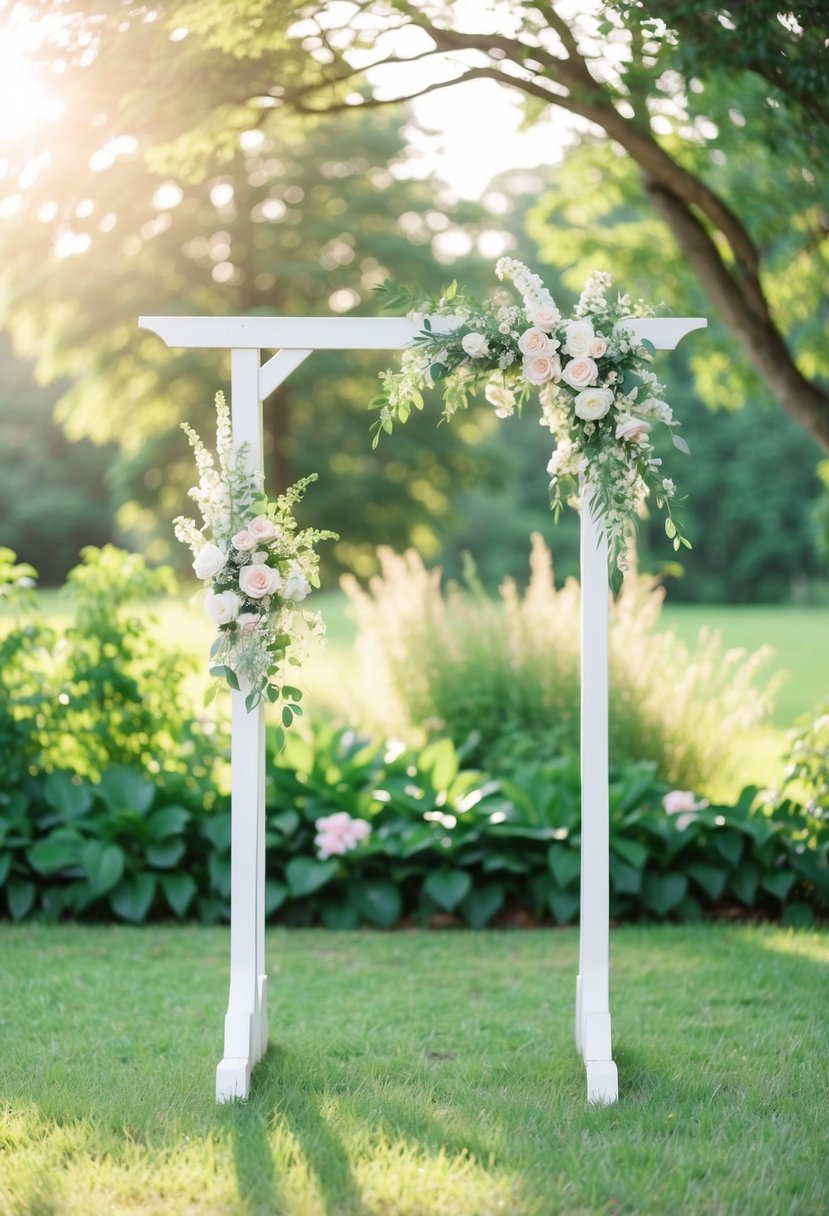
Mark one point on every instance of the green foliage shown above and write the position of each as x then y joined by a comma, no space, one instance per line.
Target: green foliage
53,495
446,841
505,671
808,762
105,693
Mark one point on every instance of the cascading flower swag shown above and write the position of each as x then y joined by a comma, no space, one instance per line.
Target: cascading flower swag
598,395
256,567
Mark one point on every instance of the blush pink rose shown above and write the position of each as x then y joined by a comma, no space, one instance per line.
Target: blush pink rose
262,528
547,317
597,348
579,373
632,430
244,541
539,369
258,580
534,342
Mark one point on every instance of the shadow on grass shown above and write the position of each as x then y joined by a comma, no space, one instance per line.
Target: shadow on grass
282,1091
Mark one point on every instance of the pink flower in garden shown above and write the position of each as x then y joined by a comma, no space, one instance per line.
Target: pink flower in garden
683,804
339,833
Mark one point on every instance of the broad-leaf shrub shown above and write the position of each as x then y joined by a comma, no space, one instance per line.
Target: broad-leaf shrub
448,843
104,692
506,669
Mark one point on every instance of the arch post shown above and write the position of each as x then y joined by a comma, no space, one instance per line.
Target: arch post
294,338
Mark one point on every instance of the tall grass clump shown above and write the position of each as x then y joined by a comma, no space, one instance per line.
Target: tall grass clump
499,674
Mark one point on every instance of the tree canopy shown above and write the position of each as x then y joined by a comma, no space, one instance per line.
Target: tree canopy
657,81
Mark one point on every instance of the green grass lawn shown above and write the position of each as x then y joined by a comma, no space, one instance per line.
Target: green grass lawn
412,1073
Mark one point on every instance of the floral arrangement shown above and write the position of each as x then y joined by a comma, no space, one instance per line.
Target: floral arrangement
597,393
256,567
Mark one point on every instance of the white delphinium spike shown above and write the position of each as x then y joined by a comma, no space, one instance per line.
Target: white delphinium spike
537,299
593,299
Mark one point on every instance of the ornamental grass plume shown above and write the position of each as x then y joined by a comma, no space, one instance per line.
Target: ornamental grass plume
500,674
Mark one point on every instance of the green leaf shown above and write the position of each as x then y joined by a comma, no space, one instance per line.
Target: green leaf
132,898
670,528
680,443
59,851
168,821
67,795
165,854
745,881
125,789
712,879
798,916
179,890
103,866
564,905
20,896
688,910
481,904
275,895
447,887
779,883
335,914
217,827
377,901
624,879
440,761
564,863
218,868
729,844
662,892
5,866
631,851
285,822
305,875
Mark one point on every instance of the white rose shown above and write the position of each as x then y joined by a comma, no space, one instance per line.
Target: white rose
632,430
501,397
475,345
222,606
597,348
540,368
547,317
262,528
295,587
579,373
258,580
534,342
209,561
579,336
593,403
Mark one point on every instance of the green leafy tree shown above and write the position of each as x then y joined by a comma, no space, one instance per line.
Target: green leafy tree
54,496
297,216
656,81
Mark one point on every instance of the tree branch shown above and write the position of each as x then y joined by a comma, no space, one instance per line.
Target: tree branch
756,333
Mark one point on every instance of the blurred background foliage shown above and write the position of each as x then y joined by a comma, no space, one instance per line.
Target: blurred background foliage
126,205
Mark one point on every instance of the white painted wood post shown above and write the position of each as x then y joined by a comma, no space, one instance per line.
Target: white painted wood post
246,1033
592,983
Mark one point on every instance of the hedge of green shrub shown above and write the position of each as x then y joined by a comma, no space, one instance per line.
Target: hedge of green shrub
444,840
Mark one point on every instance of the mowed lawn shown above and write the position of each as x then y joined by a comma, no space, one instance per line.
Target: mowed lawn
414,1074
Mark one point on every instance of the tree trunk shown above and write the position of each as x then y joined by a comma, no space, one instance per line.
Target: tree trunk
752,326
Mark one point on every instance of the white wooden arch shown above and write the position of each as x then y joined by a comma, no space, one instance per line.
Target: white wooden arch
246,1032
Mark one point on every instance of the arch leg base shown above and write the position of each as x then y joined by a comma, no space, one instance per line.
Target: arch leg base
233,1079
602,1082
